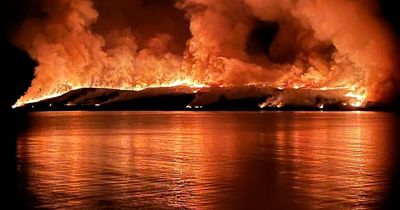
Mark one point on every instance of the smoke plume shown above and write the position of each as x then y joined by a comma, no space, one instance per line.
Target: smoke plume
134,44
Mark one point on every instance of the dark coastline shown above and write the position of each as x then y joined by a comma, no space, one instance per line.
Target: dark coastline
178,99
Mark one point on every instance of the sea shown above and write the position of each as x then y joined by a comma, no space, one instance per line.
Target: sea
208,160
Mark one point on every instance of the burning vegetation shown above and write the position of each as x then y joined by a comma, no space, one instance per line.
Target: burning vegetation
339,50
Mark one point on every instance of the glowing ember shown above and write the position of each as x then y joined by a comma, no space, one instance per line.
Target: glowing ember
79,46
271,104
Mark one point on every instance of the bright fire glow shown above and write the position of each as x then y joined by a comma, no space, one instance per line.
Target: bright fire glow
177,83
357,99
78,45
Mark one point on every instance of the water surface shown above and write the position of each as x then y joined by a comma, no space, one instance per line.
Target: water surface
206,160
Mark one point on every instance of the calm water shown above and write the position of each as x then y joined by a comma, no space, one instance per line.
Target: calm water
206,160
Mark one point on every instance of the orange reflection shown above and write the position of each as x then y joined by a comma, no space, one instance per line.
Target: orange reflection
339,178
138,158
205,159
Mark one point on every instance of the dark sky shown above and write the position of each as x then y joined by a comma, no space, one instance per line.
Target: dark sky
17,68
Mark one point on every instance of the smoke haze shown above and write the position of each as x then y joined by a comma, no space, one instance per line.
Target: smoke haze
310,44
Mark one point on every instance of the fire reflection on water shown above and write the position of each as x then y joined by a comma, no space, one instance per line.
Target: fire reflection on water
193,160
338,166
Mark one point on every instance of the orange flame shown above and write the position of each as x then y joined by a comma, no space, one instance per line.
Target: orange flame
329,52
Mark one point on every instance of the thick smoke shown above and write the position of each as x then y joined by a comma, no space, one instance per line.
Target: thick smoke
131,44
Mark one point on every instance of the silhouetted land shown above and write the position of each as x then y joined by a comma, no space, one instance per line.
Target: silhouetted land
184,98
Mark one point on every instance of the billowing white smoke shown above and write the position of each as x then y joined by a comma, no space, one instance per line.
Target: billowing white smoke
320,44
363,49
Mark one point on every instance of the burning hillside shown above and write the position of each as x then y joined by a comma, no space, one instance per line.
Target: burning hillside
196,98
309,52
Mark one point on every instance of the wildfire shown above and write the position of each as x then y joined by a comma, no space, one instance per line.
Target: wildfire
176,83
80,46
20,103
356,99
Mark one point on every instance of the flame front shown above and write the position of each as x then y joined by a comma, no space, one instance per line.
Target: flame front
351,50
